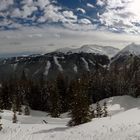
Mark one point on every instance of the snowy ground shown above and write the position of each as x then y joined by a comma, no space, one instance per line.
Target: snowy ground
122,124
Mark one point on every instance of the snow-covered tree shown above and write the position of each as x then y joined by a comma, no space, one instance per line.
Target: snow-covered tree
98,110
14,112
105,111
26,110
0,123
93,113
55,104
20,110
61,88
14,118
80,111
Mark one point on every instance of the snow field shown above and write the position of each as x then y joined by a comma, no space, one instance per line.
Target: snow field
122,124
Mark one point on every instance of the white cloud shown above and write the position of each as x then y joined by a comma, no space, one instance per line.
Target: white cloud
27,11
27,2
121,15
81,10
90,5
39,39
52,14
101,2
4,4
84,21
69,14
16,13
42,3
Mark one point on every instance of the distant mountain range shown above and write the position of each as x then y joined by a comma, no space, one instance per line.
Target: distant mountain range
69,61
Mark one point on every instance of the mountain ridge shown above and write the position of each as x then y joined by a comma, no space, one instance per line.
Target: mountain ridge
91,48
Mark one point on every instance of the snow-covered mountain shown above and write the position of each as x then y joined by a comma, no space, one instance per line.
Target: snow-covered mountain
127,54
96,49
51,64
132,48
69,61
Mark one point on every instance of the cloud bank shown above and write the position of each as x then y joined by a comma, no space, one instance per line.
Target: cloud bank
42,40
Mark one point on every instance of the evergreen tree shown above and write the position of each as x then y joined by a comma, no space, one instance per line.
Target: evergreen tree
1,101
61,88
1,104
55,105
14,117
20,110
18,99
93,113
6,96
27,111
80,112
105,112
98,110
14,112
0,123
23,76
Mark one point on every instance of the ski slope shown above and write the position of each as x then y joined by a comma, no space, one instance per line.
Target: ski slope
123,123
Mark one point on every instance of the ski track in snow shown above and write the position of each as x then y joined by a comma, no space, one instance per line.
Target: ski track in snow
57,63
47,68
92,62
75,68
122,124
86,64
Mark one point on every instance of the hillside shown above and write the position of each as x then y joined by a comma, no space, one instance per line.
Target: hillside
131,50
123,124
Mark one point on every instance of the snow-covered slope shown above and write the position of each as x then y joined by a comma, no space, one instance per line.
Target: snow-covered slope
125,53
131,49
122,124
97,49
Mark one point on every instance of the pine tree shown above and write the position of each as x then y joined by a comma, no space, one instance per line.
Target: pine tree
6,96
19,109
61,88
14,111
0,123
18,99
93,113
26,111
55,105
1,102
98,110
80,112
105,112
14,118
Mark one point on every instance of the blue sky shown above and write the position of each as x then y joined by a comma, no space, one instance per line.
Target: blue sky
112,19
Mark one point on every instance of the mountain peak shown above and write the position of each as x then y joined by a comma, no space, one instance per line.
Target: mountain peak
132,48
91,48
